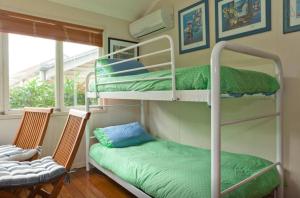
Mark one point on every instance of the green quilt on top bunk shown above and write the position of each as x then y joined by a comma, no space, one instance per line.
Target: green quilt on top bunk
167,169
233,81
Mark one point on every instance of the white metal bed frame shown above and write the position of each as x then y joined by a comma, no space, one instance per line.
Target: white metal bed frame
212,97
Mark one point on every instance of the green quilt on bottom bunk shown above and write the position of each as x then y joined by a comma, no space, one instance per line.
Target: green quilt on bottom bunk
233,81
167,169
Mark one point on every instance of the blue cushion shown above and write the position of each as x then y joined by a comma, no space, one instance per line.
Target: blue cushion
133,64
122,135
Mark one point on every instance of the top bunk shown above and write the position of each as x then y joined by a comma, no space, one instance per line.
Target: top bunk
130,79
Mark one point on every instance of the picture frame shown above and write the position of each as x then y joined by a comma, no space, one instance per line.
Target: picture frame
193,22
115,44
291,16
240,18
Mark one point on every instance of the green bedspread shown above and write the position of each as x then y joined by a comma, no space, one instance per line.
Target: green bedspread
167,169
233,81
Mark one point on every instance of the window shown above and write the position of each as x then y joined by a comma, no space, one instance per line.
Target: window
78,61
31,71
40,67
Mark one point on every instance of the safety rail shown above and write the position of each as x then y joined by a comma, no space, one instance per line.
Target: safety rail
170,49
216,114
231,122
138,57
137,69
252,177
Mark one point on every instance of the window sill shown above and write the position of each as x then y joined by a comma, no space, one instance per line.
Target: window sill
13,116
18,115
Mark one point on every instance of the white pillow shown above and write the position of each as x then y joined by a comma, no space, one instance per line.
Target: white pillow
14,153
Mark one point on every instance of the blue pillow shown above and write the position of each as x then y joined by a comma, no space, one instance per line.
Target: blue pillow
122,135
133,64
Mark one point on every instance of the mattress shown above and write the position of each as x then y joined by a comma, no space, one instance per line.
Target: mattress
165,169
235,82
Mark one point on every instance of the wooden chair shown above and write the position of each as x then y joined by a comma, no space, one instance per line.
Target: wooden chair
32,129
65,151
64,155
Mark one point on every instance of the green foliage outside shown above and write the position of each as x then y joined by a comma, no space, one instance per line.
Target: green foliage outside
69,93
37,93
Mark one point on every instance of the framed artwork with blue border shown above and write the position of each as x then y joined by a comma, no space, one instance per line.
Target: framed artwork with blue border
193,25
239,18
291,16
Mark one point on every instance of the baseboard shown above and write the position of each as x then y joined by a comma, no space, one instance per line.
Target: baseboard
78,165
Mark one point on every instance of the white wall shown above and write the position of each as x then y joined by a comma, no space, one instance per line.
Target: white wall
112,28
188,123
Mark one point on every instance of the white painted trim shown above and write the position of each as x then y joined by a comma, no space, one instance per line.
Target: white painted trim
2,48
59,77
78,113
182,95
19,115
5,72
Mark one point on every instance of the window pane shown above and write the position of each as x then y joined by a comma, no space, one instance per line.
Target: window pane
78,62
31,71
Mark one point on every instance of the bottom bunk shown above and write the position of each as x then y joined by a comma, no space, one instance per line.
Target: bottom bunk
167,169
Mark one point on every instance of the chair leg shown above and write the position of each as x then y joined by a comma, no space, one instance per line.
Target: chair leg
34,191
39,190
57,186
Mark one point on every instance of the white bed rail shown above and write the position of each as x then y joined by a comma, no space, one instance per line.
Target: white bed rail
170,63
216,116
214,101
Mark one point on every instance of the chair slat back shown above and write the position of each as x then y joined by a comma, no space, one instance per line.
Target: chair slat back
69,142
33,127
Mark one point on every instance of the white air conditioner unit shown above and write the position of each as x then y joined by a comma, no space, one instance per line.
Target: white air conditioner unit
157,21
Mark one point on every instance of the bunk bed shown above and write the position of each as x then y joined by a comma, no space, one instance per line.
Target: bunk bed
131,87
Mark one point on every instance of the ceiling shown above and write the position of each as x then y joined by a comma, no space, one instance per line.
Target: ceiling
129,10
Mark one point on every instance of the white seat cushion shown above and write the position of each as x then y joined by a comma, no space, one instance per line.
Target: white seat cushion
13,173
14,153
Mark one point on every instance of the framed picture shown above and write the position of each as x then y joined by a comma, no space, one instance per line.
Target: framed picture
291,16
118,44
239,18
193,27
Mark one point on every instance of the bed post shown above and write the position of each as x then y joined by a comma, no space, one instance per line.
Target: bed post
87,128
143,113
279,130
215,121
215,113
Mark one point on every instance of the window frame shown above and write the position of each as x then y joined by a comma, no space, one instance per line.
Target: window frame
81,107
4,81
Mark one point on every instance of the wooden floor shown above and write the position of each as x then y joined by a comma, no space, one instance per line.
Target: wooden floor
91,185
